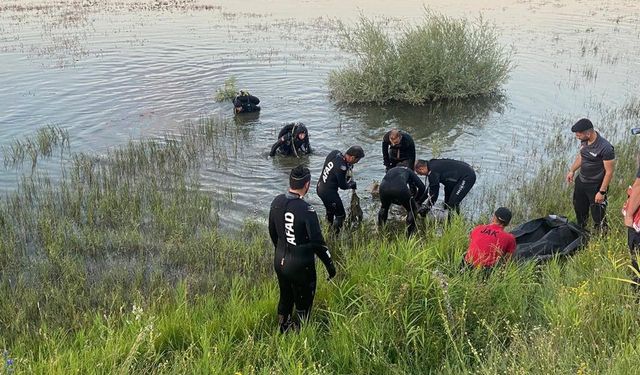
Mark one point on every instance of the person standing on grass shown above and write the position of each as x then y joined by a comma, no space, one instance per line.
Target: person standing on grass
336,169
296,235
457,177
398,149
596,161
489,243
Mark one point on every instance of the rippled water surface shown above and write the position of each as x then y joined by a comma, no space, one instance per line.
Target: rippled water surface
113,71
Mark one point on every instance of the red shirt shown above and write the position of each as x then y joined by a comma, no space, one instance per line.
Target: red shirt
488,244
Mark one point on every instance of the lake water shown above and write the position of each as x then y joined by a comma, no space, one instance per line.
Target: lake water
113,71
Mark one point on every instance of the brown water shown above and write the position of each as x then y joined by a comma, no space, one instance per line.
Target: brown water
113,71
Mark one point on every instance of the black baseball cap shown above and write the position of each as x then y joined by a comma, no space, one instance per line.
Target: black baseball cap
504,215
582,125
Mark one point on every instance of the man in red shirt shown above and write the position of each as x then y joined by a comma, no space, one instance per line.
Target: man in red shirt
490,242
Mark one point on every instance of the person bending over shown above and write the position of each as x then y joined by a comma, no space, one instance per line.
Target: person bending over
245,103
398,149
296,235
334,176
457,177
293,139
400,186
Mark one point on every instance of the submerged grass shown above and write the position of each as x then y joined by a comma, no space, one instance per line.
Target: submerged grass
119,269
442,58
228,91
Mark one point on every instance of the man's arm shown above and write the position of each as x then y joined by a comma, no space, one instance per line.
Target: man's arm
275,147
417,182
609,166
317,241
385,150
432,191
273,233
574,167
634,203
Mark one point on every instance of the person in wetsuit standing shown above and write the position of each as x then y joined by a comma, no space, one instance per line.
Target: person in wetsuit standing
400,186
245,103
295,232
596,161
293,139
457,177
334,176
398,149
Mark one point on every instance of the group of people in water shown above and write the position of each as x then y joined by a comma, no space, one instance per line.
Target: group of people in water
295,230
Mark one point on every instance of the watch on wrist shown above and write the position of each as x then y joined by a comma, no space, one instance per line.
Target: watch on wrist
603,192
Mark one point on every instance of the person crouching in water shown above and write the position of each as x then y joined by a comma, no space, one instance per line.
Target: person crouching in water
489,243
245,103
400,186
295,232
293,139
334,176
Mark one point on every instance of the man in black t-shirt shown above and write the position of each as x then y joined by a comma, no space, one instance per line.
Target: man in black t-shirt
596,161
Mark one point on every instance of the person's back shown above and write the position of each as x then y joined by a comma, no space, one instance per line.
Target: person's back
489,243
448,170
399,186
333,174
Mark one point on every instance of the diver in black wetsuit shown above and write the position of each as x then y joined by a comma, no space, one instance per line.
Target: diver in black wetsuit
245,103
457,177
295,232
398,149
334,176
400,186
293,139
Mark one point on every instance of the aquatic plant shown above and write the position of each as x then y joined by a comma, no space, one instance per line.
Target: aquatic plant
228,91
441,58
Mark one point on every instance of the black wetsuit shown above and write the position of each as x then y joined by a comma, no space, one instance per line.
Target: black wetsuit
288,142
248,103
332,177
297,237
589,181
398,187
404,153
457,177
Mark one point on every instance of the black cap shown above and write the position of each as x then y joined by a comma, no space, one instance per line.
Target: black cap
356,151
504,215
582,125
299,176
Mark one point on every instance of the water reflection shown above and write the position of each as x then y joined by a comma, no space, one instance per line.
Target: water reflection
437,125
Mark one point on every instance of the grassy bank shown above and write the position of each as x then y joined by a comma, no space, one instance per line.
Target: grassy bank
118,268
441,58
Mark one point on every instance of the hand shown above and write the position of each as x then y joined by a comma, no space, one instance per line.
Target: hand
599,198
332,272
628,220
569,177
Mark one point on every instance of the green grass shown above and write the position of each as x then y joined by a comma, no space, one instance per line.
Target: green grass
119,268
228,91
441,58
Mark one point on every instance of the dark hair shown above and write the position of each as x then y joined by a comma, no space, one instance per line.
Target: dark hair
356,152
299,176
421,163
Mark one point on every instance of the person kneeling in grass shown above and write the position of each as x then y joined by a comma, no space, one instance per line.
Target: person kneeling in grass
489,243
